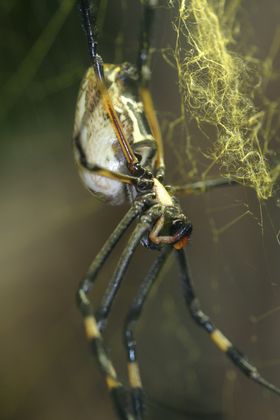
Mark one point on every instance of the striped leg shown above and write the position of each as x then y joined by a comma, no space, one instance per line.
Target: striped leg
88,22
130,324
111,242
93,329
103,311
218,338
86,308
202,186
117,391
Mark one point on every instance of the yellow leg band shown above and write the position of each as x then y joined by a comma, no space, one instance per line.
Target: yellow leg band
220,340
91,327
111,382
134,375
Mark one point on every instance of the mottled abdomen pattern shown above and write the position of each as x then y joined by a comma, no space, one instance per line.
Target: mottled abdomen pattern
94,133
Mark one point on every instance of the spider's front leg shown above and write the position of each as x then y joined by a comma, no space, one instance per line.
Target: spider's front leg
93,335
221,341
91,329
202,186
130,324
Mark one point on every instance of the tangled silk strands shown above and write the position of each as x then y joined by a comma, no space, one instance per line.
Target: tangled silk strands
217,87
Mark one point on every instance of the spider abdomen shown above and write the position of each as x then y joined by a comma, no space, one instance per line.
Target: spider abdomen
94,135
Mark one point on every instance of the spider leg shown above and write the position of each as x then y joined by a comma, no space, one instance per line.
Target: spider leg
143,65
143,226
221,341
87,283
97,64
115,387
92,328
202,186
144,54
130,324
87,310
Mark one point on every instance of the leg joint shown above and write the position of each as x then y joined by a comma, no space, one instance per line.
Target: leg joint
200,317
240,360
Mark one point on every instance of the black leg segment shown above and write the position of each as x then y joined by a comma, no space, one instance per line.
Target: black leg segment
143,226
109,245
89,27
144,58
119,395
129,327
221,341
116,389
203,186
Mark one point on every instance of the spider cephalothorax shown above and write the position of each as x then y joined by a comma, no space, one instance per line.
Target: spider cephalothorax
170,227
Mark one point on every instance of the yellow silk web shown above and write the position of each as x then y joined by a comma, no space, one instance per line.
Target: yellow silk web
219,88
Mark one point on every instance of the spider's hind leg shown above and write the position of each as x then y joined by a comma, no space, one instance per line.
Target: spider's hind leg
221,341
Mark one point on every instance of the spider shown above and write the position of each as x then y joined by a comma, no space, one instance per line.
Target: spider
119,152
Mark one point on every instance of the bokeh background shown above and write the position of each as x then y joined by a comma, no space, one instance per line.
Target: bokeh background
51,228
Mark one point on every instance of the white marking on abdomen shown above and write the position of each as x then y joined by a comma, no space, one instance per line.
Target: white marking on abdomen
130,106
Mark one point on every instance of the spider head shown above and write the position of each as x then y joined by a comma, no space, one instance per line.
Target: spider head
180,230
172,228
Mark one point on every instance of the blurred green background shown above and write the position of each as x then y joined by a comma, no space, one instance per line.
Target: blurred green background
51,228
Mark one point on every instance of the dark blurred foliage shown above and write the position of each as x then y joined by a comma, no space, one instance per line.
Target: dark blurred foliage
51,229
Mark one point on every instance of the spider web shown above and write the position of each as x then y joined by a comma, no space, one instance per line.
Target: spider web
229,122
221,88
51,228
